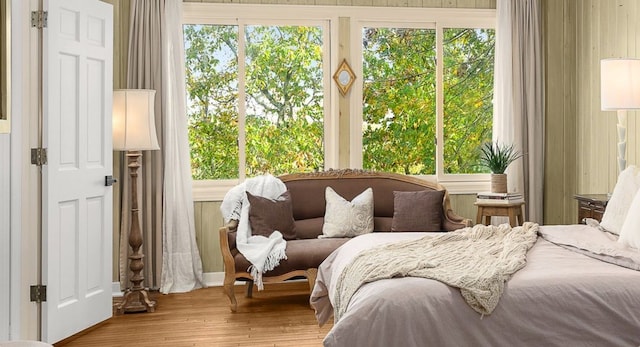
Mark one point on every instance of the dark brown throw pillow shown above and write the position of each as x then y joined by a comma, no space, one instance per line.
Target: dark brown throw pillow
417,210
266,215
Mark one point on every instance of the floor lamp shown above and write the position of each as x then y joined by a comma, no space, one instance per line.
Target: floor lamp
620,91
134,130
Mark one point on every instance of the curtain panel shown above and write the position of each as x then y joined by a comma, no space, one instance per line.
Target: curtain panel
155,61
519,97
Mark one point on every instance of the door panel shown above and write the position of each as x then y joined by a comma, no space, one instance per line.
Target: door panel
77,206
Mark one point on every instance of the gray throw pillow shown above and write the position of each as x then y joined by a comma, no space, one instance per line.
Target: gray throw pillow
417,210
266,215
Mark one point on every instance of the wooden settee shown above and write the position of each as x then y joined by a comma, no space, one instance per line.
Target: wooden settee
307,251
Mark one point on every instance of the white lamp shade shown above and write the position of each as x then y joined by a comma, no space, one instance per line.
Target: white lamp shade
134,126
620,84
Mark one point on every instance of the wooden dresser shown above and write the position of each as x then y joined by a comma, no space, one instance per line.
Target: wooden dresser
591,206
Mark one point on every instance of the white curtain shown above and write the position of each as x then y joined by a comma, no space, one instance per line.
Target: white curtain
519,97
156,62
181,265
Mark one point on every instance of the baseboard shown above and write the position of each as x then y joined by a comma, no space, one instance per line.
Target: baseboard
115,290
214,279
210,279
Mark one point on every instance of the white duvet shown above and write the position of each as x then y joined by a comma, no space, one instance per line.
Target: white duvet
560,298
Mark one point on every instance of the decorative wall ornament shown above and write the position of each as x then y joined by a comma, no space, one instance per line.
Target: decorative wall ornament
344,77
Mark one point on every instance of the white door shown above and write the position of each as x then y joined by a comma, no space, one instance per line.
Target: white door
77,206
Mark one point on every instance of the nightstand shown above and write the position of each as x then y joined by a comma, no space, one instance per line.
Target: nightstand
591,206
513,210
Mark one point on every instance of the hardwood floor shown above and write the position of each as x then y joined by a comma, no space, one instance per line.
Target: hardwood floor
278,316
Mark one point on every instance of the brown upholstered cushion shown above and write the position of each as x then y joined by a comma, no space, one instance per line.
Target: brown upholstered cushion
266,215
417,211
301,255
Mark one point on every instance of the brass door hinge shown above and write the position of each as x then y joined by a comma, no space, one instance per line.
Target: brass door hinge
38,156
38,293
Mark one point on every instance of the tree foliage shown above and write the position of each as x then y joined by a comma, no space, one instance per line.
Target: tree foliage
400,99
283,99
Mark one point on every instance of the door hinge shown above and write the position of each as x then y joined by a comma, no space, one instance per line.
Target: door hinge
38,293
38,156
39,19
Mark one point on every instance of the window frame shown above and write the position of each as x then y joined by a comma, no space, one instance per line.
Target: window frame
483,19
227,14
357,17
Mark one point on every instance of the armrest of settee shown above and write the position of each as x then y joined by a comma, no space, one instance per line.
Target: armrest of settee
453,222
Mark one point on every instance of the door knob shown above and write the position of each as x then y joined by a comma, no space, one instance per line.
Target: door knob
109,180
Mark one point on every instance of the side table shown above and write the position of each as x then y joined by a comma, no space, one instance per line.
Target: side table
513,210
591,206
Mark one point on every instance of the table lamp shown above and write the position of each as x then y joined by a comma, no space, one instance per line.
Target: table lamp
620,91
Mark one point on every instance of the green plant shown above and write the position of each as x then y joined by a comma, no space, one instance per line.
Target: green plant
497,157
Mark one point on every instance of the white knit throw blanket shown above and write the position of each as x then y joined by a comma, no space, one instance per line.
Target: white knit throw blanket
478,260
264,253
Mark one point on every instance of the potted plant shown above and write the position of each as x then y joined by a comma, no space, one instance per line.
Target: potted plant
497,157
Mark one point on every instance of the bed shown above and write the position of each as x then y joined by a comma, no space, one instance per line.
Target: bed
579,287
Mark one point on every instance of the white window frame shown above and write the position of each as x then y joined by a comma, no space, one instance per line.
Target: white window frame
227,14
328,16
437,19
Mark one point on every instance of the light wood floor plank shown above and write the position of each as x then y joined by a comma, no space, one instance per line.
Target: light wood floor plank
279,316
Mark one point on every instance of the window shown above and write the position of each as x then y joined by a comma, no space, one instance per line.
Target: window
468,58
261,98
279,127
400,98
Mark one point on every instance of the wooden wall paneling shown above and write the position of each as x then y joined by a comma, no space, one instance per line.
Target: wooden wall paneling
569,212
466,3
610,44
327,2
560,152
485,4
361,2
449,3
414,3
344,122
392,3
553,39
463,205
635,29
600,143
583,104
208,221
432,3
612,50
589,95
632,51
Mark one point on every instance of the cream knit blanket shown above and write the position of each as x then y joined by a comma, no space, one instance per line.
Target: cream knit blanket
478,260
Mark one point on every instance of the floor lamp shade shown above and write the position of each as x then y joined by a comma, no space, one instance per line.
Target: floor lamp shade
620,91
134,120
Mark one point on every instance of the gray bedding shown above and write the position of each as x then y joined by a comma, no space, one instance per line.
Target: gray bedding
560,298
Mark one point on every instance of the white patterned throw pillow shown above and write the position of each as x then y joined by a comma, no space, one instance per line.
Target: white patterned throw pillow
630,231
623,193
344,218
